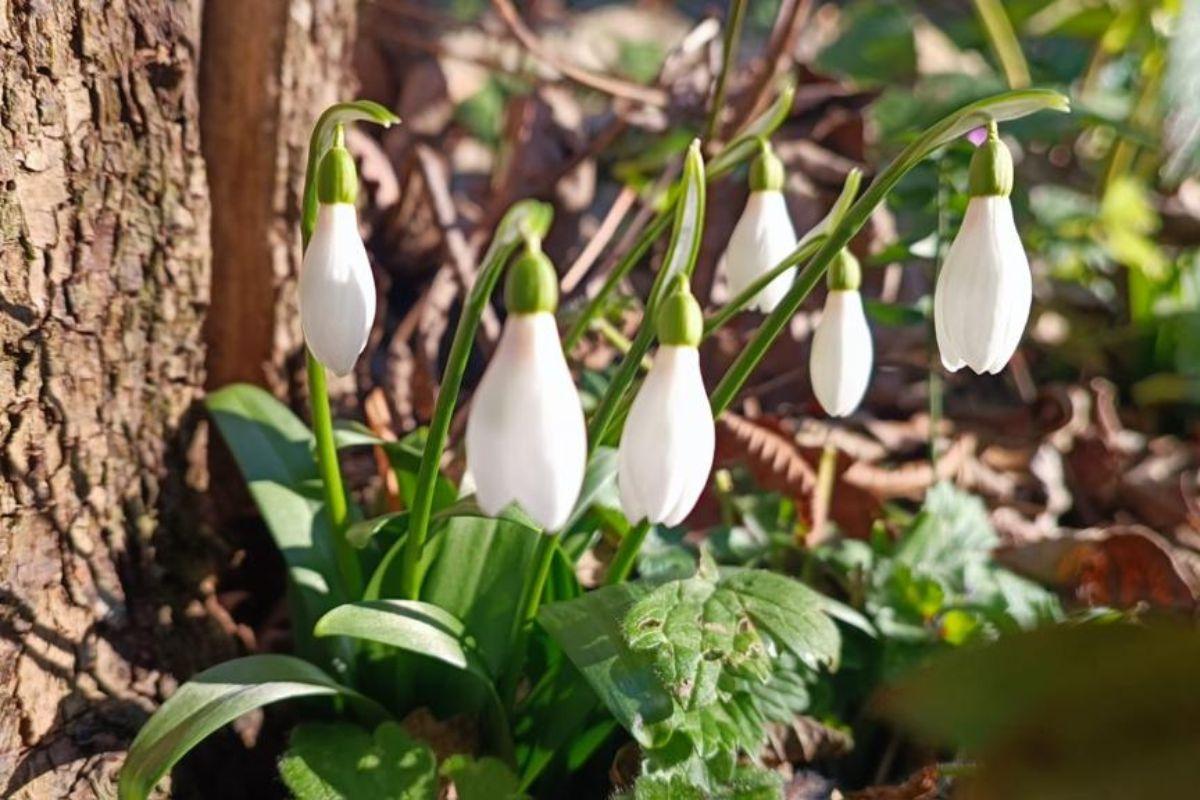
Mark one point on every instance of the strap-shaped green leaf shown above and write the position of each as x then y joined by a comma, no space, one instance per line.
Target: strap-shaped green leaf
410,625
274,451
214,698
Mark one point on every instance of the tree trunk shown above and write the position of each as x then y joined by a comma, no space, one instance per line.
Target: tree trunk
104,280
107,575
269,68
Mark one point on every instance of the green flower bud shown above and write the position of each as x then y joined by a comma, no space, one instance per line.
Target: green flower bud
532,284
337,178
844,274
766,172
991,167
679,320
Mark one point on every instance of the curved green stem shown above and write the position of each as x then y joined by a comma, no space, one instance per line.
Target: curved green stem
743,146
531,601
1005,44
331,477
631,545
680,260
318,393
1005,106
733,32
525,221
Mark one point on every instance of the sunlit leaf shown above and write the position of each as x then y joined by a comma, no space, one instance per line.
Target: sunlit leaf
339,761
216,697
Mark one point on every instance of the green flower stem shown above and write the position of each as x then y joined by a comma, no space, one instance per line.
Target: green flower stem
526,221
733,32
805,251
1004,42
439,426
744,146
622,563
331,477
318,394
680,260
531,601
808,245
1008,105
653,231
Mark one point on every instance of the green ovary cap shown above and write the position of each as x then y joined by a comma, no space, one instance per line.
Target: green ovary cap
679,320
532,284
845,274
766,172
991,167
337,178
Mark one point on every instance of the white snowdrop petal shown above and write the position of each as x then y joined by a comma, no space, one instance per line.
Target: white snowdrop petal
526,439
666,448
842,354
651,445
695,421
984,291
763,237
337,290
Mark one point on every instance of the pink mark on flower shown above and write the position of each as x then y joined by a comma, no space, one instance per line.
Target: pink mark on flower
977,136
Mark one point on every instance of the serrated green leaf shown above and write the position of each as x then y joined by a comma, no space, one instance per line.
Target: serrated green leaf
588,629
481,779
694,631
339,761
794,615
215,697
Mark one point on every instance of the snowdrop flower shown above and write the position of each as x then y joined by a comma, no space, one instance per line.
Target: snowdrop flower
526,440
984,291
763,236
666,449
337,290
840,361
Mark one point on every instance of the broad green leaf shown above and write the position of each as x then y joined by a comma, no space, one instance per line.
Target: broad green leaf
588,629
481,779
795,616
951,532
422,629
599,484
693,632
362,532
215,697
273,449
560,708
669,786
409,625
339,761
1112,709
478,567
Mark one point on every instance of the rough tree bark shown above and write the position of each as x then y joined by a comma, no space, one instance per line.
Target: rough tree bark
107,582
269,68
104,279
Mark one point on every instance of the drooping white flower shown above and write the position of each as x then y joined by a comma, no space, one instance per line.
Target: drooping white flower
842,352
984,290
526,438
763,236
667,446
337,289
